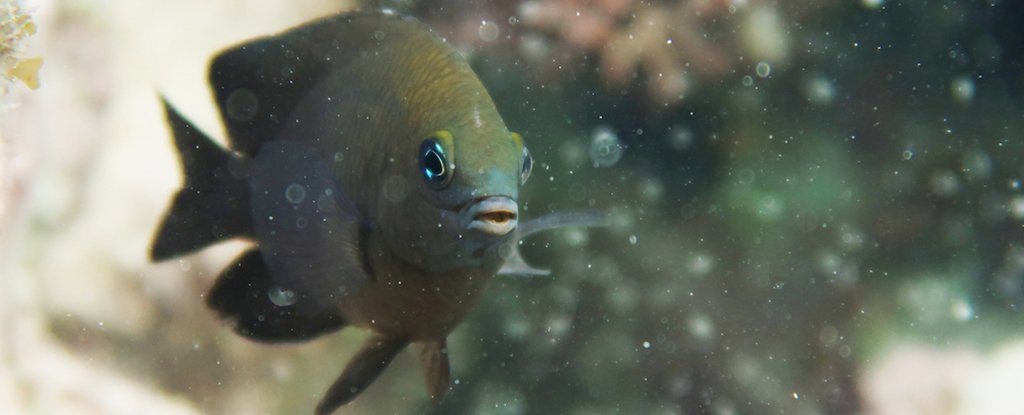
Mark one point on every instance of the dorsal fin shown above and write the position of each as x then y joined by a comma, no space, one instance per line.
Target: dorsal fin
257,84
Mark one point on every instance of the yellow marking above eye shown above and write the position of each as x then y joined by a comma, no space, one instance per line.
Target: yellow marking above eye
443,136
517,138
447,141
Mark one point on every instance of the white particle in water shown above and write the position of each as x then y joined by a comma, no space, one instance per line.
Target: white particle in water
700,326
976,165
962,88
872,4
819,91
962,310
944,183
647,344
680,138
1017,207
701,264
632,239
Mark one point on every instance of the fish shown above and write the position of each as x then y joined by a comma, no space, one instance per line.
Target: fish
377,181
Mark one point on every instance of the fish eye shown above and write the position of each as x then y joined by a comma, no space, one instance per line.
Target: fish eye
434,164
527,166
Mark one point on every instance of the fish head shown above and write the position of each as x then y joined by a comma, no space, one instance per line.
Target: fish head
463,205
439,171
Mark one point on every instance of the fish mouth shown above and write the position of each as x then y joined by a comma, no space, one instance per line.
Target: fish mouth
494,215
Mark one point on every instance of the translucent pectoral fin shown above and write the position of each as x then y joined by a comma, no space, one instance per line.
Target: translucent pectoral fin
557,220
515,265
308,230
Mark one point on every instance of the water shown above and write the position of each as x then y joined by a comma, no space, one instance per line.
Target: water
812,209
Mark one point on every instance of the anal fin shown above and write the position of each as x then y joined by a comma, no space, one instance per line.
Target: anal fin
434,356
308,228
263,310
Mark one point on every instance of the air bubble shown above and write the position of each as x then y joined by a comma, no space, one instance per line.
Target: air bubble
281,297
700,264
700,326
872,4
944,183
488,31
295,193
962,88
325,203
976,165
1017,208
763,69
605,147
680,138
241,105
962,310
819,91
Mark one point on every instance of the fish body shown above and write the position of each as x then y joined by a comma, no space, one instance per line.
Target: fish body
377,179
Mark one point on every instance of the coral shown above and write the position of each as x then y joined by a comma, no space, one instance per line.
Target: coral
667,42
664,49
15,26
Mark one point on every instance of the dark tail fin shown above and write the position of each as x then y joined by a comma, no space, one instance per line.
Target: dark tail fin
214,203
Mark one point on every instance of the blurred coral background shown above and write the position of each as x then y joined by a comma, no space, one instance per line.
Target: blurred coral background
816,209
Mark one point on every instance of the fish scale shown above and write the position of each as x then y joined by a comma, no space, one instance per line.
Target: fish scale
377,180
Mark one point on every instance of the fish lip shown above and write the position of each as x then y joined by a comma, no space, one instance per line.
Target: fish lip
491,215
